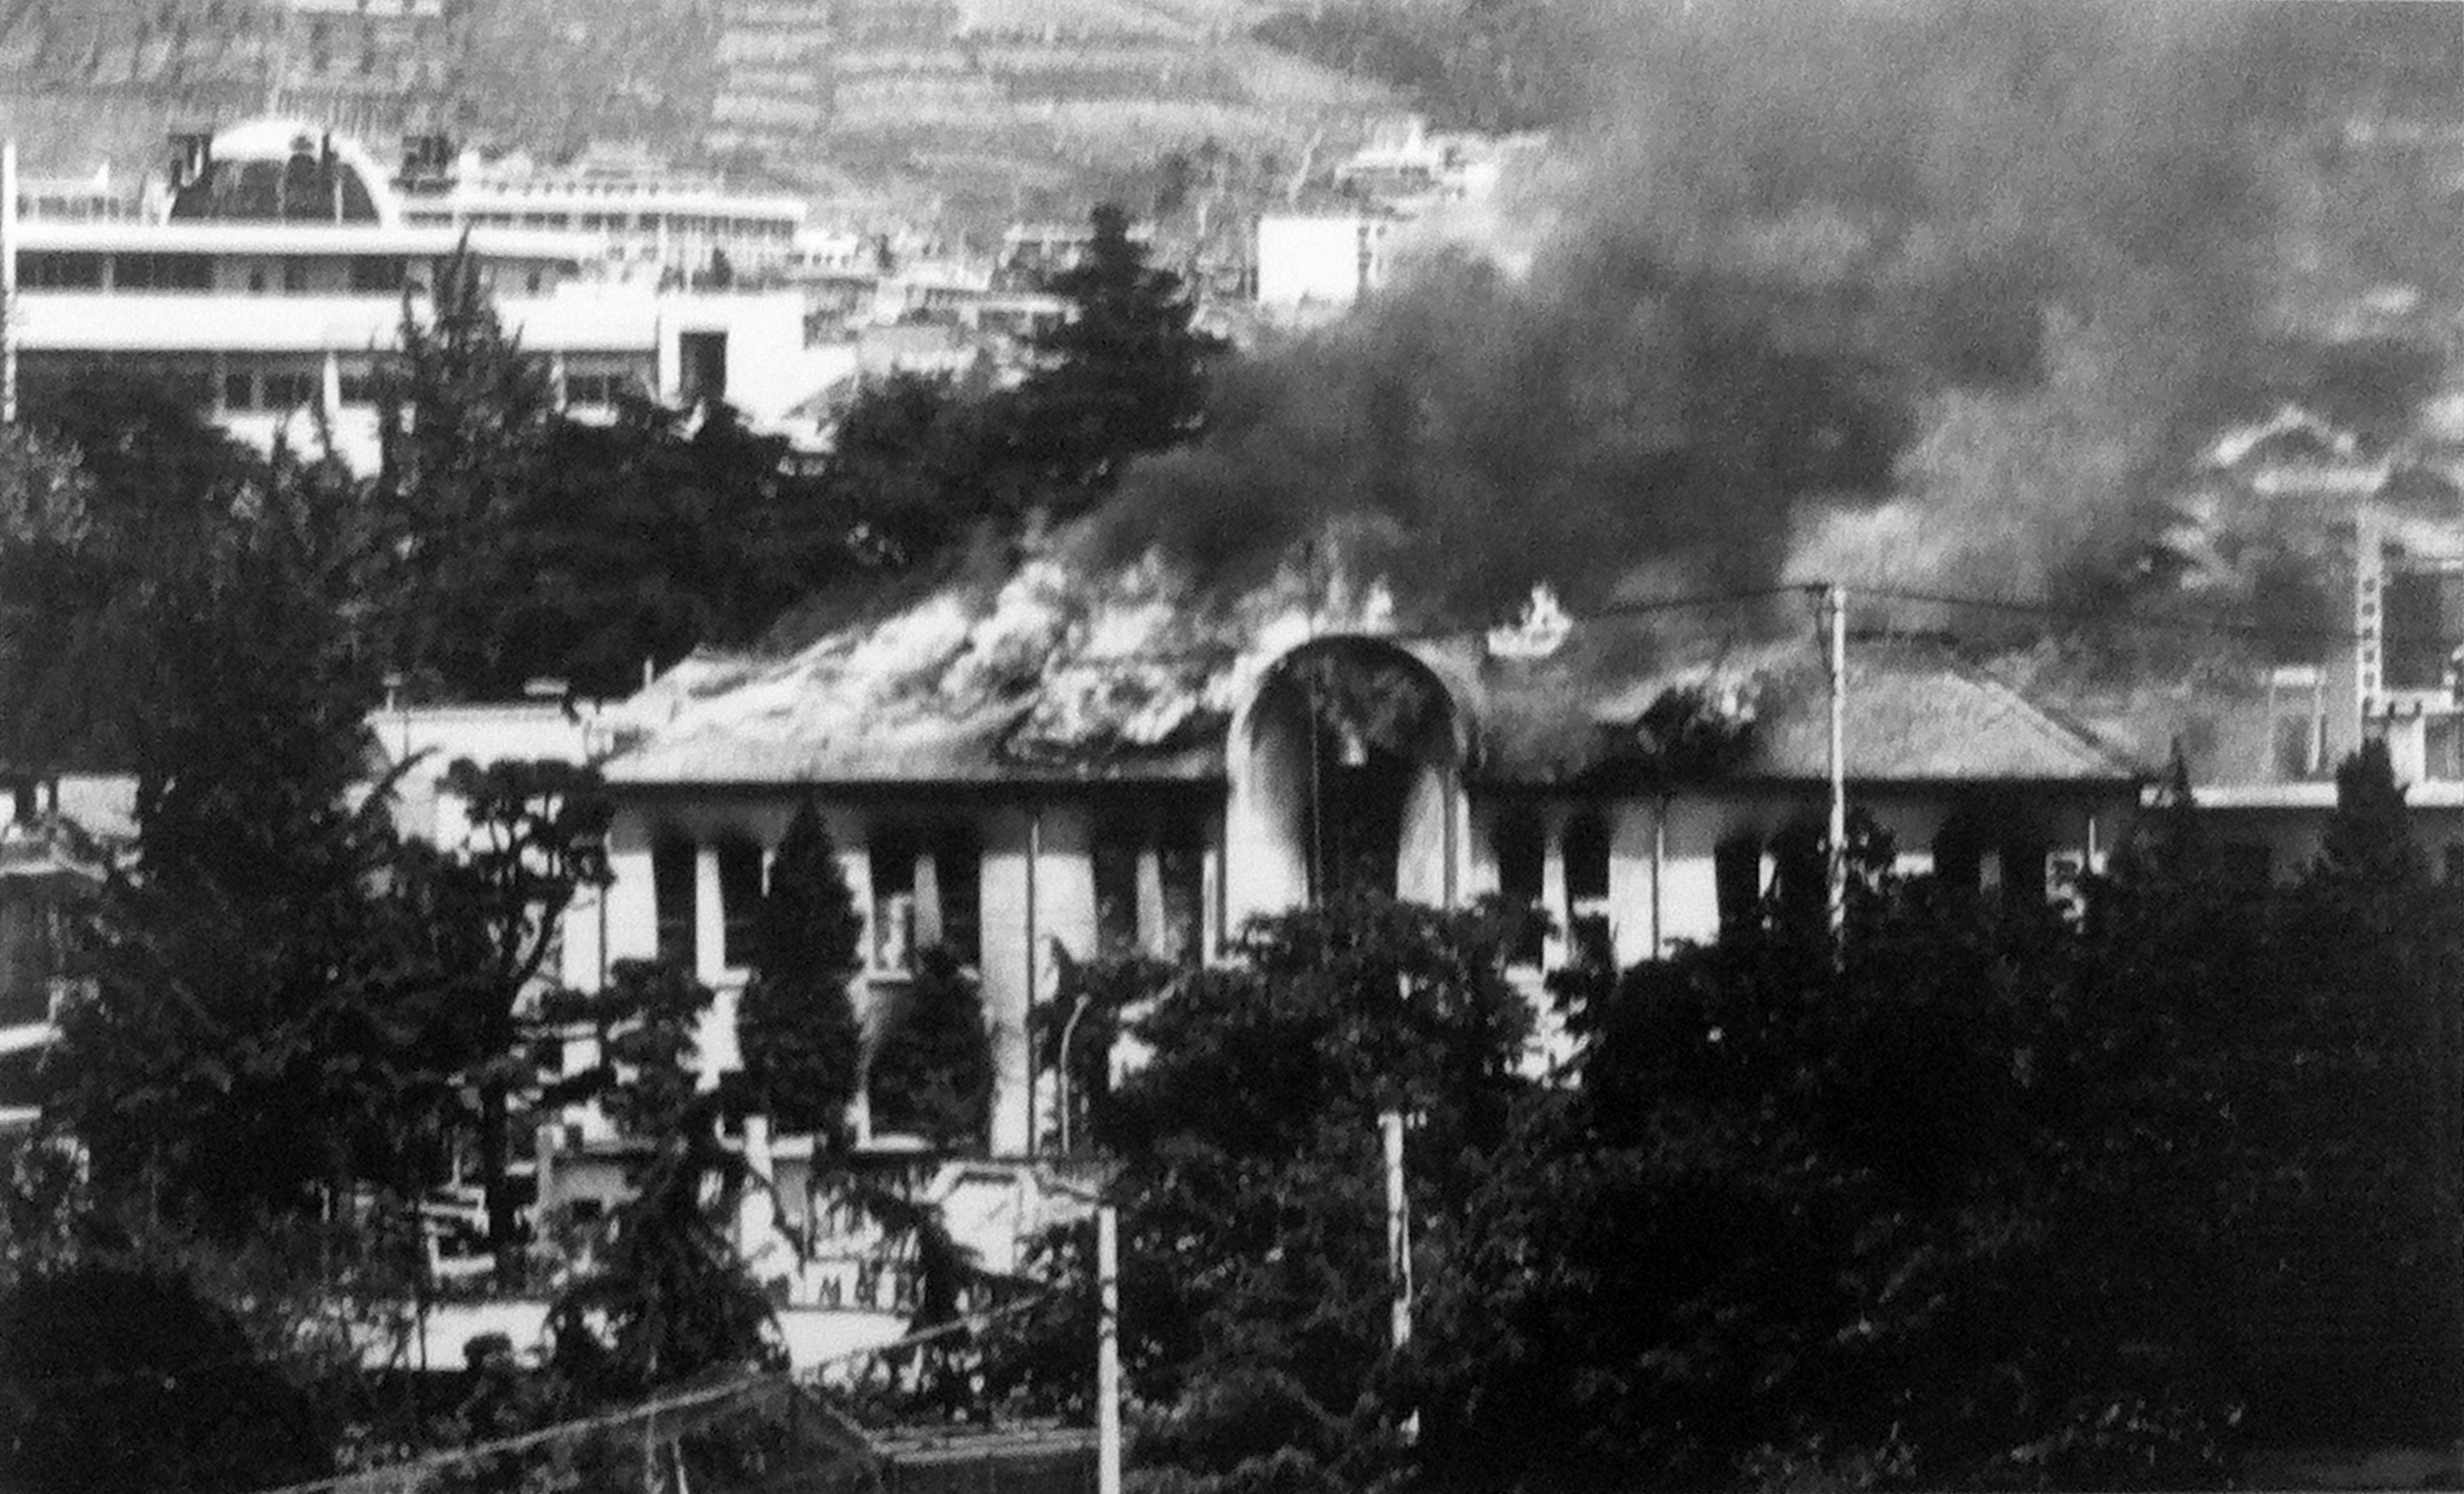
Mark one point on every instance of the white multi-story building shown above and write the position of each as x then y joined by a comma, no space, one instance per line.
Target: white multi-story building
1312,265
271,280
637,214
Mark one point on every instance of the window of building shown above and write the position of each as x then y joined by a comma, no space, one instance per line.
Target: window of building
1801,865
958,893
1181,861
598,388
358,382
294,277
1959,853
162,272
239,391
2024,858
2299,746
1522,862
1588,928
2423,613
377,273
287,389
256,280
2443,748
704,356
1737,878
53,269
891,854
1115,858
673,896
739,900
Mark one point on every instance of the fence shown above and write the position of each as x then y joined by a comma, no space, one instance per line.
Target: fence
756,1434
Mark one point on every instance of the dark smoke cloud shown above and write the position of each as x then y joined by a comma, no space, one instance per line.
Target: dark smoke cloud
1941,292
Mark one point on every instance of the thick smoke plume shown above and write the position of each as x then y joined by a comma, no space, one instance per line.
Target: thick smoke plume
1934,293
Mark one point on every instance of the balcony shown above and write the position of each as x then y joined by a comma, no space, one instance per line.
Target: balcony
96,321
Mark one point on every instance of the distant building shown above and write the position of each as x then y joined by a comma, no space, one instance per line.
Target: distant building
1312,265
268,280
2385,662
636,212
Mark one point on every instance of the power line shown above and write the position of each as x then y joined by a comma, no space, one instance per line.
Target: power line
2031,607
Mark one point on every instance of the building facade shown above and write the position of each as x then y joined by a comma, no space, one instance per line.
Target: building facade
1022,834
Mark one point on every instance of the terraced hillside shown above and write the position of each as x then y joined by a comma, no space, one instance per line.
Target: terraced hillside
968,112
993,107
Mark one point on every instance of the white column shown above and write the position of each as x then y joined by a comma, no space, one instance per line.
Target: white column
710,916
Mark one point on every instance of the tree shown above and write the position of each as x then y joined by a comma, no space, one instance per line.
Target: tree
233,1058
1256,1281
1125,373
932,1075
464,417
537,836
917,465
1947,1211
109,483
671,1299
2368,1083
802,1050
654,535
116,1377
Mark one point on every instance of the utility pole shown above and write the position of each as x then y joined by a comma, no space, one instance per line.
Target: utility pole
8,281
1398,1232
1107,1350
1835,629
1399,1250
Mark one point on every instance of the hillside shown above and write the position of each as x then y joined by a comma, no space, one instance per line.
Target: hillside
967,111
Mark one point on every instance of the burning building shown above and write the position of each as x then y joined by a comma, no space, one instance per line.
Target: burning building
1058,765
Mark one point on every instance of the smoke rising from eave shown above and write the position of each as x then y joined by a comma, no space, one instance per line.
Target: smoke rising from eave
1928,294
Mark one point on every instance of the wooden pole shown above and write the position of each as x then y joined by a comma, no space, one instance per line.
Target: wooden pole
1835,606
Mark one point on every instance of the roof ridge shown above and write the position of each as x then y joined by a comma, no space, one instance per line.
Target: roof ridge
2050,714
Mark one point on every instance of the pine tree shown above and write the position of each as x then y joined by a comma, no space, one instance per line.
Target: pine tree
232,1057
464,420
796,1028
1125,374
2369,841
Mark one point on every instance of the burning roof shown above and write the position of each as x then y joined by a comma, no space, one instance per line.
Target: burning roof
1057,675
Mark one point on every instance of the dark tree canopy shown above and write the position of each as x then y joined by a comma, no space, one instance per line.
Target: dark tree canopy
1125,374
465,417
232,1055
116,1377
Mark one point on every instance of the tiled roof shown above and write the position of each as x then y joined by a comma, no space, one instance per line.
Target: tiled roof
1915,712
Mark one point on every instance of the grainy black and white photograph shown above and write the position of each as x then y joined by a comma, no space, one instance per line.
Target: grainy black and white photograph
1231,746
